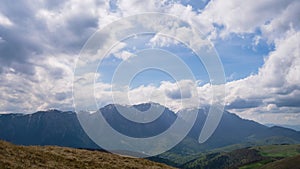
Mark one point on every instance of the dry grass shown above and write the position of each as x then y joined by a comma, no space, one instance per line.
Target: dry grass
286,163
12,156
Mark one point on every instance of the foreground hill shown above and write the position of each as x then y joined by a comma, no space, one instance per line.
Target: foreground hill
12,156
291,162
258,157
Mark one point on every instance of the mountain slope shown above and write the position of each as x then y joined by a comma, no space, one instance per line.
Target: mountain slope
291,162
54,127
222,160
234,130
285,156
12,156
51,127
138,130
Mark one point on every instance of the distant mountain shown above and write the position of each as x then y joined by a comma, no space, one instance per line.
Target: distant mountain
138,130
234,130
54,127
294,127
51,127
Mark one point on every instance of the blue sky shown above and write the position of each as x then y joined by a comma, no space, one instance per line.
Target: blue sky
257,42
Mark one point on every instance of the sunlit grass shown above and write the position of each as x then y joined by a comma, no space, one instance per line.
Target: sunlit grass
12,156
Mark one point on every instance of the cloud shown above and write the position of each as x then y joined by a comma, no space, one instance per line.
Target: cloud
290,100
127,8
175,95
62,96
24,93
4,21
240,16
46,28
286,20
182,90
120,52
240,103
21,41
280,117
276,86
39,43
124,55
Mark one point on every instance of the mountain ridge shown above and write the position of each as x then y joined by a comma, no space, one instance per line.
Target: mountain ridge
62,128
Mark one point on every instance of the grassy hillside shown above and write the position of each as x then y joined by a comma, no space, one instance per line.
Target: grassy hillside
279,150
12,156
235,157
290,162
225,160
276,154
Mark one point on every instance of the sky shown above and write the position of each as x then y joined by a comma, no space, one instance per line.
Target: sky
257,43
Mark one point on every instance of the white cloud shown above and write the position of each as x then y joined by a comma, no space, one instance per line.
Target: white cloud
245,16
277,83
4,21
50,87
127,8
283,22
178,95
124,55
269,117
281,67
38,72
275,88
183,90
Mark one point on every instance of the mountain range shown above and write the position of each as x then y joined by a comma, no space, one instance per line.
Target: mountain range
54,127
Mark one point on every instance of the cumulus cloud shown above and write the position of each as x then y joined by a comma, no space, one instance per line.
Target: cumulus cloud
4,21
275,89
176,95
26,93
240,16
41,28
240,103
39,43
182,91
286,20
